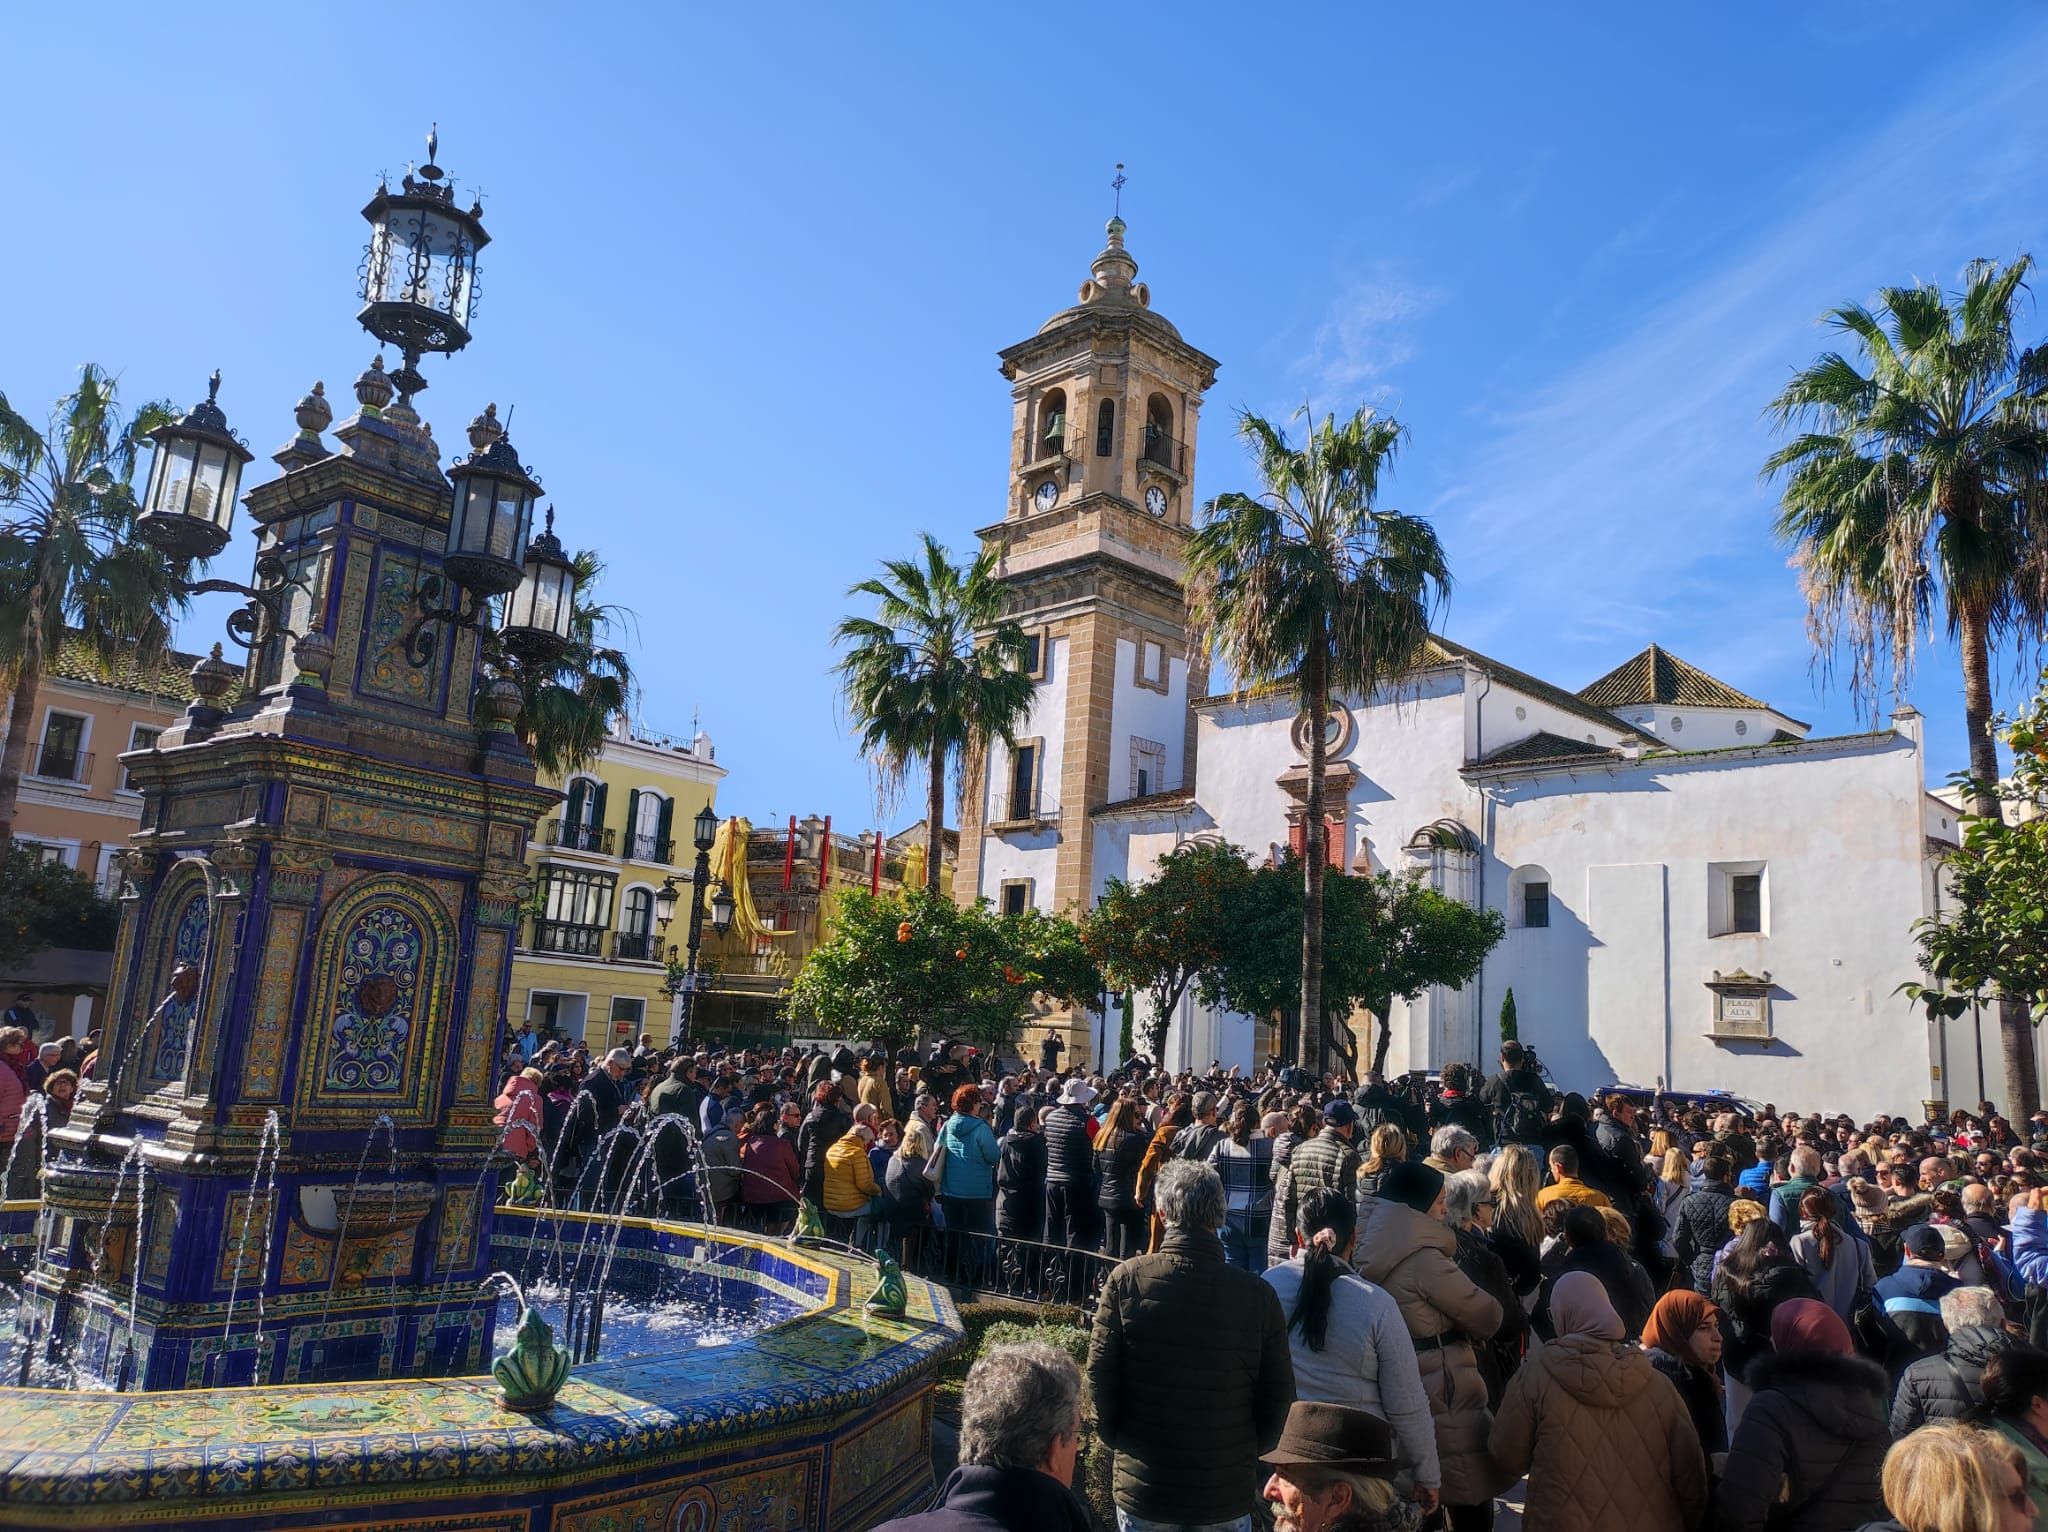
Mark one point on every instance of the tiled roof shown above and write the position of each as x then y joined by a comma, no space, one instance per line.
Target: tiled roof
1178,797
169,678
1543,746
1656,675
1443,651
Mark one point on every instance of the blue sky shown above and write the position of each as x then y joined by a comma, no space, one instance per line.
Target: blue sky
750,269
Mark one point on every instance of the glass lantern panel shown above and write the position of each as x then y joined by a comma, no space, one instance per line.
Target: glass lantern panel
422,257
547,601
471,532
173,478
208,481
230,488
508,520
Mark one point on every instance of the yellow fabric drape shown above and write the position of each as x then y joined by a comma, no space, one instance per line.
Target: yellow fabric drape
914,867
729,866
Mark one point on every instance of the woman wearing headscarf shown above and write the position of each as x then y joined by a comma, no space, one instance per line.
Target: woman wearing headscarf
1808,1454
1603,1441
1683,1342
1405,1246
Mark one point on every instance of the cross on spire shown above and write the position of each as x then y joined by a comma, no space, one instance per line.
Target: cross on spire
1118,187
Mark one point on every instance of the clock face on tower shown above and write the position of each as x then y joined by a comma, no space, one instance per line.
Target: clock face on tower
1044,496
1155,500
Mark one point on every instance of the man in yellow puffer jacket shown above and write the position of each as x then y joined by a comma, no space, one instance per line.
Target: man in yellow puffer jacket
850,1188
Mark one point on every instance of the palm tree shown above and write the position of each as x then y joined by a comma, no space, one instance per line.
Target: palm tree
1310,583
68,554
1913,483
571,697
935,674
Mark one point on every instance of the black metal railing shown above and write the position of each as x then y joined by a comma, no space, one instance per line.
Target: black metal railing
636,947
572,836
1164,450
567,938
997,1265
649,848
63,763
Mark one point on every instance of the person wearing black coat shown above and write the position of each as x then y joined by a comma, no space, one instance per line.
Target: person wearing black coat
1020,1179
1950,1384
827,1123
1071,1217
1702,1220
1809,1449
1119,1151
1590,1250
1621,1179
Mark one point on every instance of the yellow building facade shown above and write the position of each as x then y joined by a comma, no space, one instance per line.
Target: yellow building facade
592,959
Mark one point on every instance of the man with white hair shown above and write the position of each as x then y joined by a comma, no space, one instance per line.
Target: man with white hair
1452,1149
1950,1384
1020,1432
1189,1368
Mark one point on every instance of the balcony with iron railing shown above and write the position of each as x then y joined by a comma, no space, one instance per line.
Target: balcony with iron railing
1164,450
62,763
636,947
571,836
649,848
568,938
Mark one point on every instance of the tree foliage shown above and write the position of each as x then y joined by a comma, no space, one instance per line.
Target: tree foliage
935,674
1913,487
69,556
1992,938
1312,583
46,904
896,965
1387,936
1509,1025
1158,936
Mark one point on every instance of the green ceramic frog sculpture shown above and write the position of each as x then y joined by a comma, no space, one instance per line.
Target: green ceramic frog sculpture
531,1373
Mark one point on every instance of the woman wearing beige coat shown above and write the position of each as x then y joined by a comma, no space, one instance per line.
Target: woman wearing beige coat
1405,1247
1603,1436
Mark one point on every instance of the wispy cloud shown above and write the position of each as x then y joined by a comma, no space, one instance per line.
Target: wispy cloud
1622,499
1367,333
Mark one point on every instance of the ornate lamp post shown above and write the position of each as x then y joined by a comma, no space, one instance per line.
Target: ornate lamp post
705,831
419,272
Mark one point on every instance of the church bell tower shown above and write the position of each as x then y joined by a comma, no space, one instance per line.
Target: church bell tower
1092,546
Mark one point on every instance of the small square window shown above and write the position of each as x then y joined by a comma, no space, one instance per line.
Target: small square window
1535,904
1016,896
1738,899
1151,663
1034,654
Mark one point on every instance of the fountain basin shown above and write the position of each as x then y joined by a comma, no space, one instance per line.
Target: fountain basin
822,1420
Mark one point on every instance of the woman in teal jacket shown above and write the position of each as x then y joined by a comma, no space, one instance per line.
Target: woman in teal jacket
967,1184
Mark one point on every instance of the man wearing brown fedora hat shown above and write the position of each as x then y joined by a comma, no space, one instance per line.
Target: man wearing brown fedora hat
1333,1471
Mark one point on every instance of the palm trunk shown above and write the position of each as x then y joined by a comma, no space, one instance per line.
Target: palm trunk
935,822
21,713
2015,1024
1314,849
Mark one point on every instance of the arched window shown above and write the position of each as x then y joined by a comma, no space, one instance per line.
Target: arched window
635,942
1105,427
1160,446
648,819
1052,424
583,815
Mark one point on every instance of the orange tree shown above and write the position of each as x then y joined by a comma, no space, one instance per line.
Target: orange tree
1161,935
896,966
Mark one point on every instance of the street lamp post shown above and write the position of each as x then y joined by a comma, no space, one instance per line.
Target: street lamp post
705,831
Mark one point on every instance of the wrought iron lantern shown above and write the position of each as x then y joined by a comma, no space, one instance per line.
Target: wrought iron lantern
491,513
722,904
706,827
665,900
188,508
541,612
419,272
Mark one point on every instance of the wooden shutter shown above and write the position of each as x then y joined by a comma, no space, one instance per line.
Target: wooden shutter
664,829
597,806
631,847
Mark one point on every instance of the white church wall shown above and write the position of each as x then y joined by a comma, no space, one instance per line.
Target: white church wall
1142,713
1709,728
1008,856
1614,987
1501,715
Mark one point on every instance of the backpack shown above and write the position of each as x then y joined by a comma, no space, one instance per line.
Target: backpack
1522,1118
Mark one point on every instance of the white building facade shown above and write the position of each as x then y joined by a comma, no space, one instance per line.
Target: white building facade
1697,892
